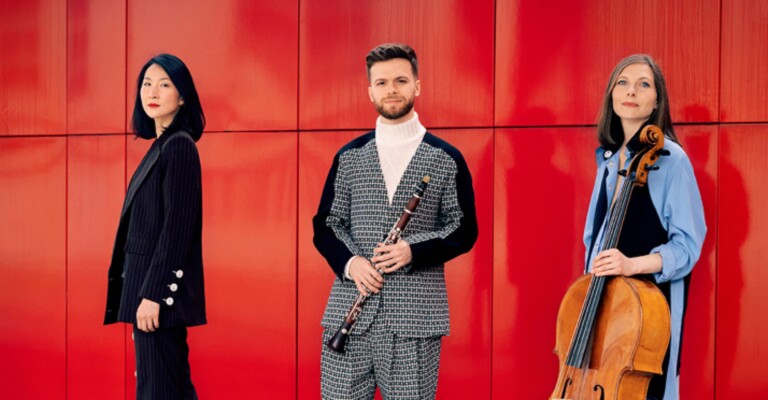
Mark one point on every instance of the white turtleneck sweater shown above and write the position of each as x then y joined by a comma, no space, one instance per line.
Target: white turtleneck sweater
396,145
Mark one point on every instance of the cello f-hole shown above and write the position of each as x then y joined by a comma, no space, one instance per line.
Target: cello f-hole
567,383
602,391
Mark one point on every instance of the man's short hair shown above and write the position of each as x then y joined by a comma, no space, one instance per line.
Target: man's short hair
390,51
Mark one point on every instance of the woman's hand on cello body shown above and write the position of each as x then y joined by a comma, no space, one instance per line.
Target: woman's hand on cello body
613,262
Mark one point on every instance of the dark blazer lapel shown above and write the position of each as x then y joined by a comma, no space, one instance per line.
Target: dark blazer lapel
141,173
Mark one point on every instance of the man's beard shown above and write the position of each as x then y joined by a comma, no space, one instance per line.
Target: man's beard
398,113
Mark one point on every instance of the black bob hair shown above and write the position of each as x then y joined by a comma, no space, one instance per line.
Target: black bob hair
189,118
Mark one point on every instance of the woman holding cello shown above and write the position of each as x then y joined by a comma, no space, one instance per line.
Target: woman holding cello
662,228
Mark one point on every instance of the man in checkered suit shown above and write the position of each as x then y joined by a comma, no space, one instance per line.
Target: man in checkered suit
395,344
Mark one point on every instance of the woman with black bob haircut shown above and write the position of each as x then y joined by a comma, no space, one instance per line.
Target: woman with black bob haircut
190,117
156,273
664,227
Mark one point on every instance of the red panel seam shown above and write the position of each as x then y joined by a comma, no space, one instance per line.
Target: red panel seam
717,200
493,199
296,239
66,203
125,179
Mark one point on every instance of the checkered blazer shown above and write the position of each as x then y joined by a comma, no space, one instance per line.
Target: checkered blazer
354,214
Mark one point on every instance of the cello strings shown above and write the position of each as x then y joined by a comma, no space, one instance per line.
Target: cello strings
610,242
594,293
584,327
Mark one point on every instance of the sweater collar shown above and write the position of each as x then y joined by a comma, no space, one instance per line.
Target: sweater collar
399,134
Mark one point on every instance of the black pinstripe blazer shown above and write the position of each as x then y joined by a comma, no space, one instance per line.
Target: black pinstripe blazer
158,249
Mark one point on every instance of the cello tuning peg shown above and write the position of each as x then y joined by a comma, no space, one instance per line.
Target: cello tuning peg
653,168
623,173
663,152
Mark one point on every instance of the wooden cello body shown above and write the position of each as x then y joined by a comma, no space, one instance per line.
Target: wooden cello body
613,332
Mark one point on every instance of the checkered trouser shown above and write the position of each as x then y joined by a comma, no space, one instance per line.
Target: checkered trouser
402,368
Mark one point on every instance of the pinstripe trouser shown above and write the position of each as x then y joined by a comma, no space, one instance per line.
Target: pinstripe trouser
162,365
402,368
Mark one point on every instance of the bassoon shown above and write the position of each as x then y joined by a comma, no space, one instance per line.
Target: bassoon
340,338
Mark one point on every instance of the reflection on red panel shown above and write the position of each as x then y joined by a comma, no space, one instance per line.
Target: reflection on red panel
553,61
542,62
742,277
315,277
32,268
452,39
96,187
683,36
697,374
465,363
130,362
543,179
136,147
96,66
33,71
242,55
743,59
248,348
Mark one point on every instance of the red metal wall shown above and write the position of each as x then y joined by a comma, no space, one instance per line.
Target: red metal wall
514,84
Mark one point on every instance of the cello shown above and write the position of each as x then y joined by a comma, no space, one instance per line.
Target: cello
613,331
